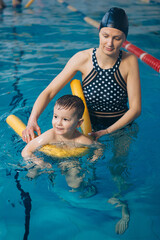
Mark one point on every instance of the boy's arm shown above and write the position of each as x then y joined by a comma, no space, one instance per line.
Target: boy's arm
99,148
98,151
41,140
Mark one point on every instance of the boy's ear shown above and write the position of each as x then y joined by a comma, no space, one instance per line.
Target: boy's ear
80,122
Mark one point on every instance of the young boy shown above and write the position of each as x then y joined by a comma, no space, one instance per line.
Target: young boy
67,117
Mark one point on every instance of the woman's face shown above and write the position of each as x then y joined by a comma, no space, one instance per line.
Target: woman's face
111,40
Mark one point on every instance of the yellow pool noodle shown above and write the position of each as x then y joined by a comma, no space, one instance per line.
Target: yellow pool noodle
77,90
18,126
29,3
15,123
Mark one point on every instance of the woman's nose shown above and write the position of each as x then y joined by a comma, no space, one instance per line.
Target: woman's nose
110,41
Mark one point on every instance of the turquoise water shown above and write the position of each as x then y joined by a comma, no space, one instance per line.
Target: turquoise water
35,44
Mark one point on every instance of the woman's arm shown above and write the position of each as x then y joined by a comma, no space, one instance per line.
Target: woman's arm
134,98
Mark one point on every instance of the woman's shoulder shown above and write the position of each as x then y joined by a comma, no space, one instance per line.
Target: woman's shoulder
128,63
83,55
81,59
128,57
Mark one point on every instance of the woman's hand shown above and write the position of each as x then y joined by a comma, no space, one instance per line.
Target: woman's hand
98,134
28,134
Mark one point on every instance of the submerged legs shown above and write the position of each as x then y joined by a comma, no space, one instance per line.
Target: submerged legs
122,224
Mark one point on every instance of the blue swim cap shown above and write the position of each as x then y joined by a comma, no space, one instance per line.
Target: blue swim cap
115,18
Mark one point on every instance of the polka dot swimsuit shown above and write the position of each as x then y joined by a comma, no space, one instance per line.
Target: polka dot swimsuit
105,90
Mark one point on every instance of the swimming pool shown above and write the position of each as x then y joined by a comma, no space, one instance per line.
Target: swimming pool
35,44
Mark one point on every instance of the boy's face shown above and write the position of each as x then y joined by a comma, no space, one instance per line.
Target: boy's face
65,121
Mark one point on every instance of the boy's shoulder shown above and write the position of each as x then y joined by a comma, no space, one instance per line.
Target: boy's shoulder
82,139
48,136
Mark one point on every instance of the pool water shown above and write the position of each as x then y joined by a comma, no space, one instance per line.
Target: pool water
35,44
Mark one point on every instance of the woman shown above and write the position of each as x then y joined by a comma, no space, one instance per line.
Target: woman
15,3
110,78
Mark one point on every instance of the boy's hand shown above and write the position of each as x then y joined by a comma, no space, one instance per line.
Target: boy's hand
28,134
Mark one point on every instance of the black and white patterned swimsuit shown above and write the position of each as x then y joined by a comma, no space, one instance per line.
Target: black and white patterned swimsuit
106,93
